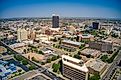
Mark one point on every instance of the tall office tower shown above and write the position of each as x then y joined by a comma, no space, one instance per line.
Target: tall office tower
55,21
95,25
102,46
22,34
73,68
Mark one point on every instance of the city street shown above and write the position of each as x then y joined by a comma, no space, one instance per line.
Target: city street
112,68
46,72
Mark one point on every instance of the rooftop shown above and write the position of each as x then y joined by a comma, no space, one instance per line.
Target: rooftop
86,35
73,42
92,52
96,64
79,63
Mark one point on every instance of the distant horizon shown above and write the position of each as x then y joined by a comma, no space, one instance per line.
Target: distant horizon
65,8
63,17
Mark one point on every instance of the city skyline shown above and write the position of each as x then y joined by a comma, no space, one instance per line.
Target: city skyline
65,8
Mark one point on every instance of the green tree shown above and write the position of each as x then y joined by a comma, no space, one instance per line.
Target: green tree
40,52
77,56
18,57
19,70
56,67
54,58
42,63
24,50
95,77
104,58
32,67
24,62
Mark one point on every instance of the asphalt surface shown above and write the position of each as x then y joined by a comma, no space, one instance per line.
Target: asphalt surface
44,70
112,68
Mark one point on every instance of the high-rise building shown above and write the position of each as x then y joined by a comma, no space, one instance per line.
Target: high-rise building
22,34
55,21
95,25
31,34
102,46
73,68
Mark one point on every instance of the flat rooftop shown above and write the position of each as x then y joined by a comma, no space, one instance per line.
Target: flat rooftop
85,35
96,64
89,51
72,42
67,60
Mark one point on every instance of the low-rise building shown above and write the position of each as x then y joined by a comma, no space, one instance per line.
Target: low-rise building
73,68
6,69
72,43
96,66
92,52
85,37
102,46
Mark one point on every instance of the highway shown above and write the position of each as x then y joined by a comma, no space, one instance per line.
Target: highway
44,70
112,67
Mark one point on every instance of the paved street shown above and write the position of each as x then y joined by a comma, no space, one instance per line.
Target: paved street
112,68
45,71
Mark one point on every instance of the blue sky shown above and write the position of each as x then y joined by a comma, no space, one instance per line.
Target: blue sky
65,8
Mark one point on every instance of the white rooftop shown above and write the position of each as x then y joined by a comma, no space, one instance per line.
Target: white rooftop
17,45
72,42
86,35
79,67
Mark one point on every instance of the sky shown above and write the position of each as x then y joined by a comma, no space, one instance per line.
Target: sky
64,8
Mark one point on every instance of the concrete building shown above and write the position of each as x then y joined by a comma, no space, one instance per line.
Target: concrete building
102,46
85,37
74,69
55,21
32,35
22,34
96,66
90,52
72,43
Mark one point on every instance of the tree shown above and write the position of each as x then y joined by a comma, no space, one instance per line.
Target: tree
18,57
19,70
53,45
89,56
24,62
80,47
48,60
54,58
104,58
42,63
31,67
78,53
95,77
28,57
24,50
40,52
77,56
55,67
60,41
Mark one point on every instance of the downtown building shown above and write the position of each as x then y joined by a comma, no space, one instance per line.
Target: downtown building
95,25
102,46
22,34
73,68
55,21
